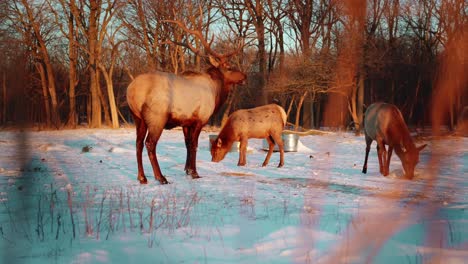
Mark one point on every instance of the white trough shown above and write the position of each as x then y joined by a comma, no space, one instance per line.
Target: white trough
290,142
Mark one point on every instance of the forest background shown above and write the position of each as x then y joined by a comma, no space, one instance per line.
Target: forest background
68,63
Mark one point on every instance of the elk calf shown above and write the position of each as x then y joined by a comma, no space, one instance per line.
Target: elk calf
385,124
261,122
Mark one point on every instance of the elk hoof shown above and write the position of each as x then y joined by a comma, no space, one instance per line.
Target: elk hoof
364,170
264,164
192,173
163,180
143,181
280,165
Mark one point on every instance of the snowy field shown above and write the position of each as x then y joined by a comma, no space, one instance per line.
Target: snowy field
72,197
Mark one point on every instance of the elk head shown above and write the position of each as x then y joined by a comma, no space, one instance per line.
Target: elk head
218,151
409,159
229,74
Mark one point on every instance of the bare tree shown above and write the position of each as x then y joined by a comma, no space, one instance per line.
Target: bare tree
111,51
276,13
65,20
303,80
453,21
349,57
248,15
93,19
32,23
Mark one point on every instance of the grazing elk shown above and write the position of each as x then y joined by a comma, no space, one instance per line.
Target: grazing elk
261,122
385,124
164,100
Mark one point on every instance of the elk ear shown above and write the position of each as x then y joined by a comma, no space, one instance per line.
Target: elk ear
219,143
214,61
421,147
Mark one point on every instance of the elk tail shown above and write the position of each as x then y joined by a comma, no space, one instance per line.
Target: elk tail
283,115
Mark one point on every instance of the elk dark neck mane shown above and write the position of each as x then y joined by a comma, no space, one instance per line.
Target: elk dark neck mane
224,87
399,132
227,138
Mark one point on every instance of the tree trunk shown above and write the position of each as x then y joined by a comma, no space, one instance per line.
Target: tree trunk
72,75
230,100
262,63
89,110
47,63
352,106
105,105
72,115
290,107
45,95
318,109
96,119
256,12
4,96
92,33
360,104
298,110
110,95
150,55
53,95
451,109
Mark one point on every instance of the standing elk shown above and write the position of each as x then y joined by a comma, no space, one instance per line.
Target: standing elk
265,121
164,100
384,123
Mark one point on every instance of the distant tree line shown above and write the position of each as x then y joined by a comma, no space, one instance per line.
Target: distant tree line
67,62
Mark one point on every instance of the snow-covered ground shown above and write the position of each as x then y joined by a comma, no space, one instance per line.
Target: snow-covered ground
72,197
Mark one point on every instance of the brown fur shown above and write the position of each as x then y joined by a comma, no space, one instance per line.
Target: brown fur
261,122
384,123
164,100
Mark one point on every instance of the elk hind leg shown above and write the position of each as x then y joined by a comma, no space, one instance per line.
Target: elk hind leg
271,146
368,145
279,141
141,130
155,127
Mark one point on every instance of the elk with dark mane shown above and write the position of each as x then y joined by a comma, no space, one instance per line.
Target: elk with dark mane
384,123
163,100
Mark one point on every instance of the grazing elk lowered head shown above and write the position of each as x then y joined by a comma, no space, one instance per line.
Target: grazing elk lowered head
265,121
384,123
162,100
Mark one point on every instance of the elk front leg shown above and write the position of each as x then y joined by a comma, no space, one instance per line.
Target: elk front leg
242,152
191,167
382,154
387,163
140,138
368,145
187,132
